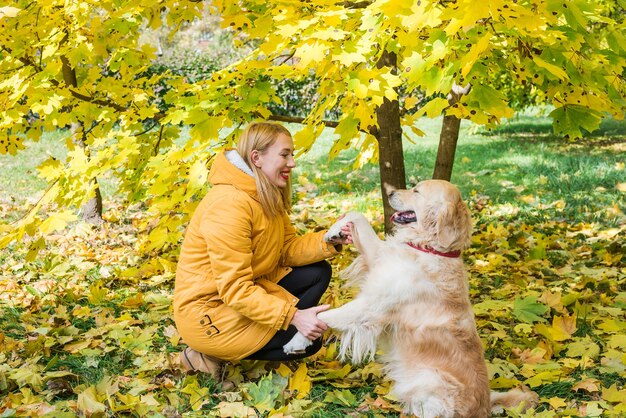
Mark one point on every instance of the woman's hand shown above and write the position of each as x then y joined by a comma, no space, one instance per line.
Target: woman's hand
345,237
346,234
306,322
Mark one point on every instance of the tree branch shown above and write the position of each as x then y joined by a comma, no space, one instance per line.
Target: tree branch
30,63
356,4
297,119
290,56
158,143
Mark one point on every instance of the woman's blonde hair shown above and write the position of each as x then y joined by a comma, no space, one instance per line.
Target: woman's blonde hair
260,136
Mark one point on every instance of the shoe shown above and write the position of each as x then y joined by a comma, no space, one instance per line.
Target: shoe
194,361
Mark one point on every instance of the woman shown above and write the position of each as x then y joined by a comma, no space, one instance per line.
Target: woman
245,281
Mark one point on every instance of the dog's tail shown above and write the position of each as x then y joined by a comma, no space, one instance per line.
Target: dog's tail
523,397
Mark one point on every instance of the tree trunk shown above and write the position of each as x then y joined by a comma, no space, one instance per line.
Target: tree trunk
92,210
389,137
449,137
447,147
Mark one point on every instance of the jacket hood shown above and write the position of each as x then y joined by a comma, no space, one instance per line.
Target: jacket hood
230,169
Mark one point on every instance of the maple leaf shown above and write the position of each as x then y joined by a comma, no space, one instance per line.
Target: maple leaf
528,309
341,397
568,120
90,402
300,382
264,394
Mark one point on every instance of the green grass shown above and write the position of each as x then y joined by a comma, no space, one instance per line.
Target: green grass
521,164
18,173
19,182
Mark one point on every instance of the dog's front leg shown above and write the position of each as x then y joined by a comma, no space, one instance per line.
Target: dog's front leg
365,238
359,330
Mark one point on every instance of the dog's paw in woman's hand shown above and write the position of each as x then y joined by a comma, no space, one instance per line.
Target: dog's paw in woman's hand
335,234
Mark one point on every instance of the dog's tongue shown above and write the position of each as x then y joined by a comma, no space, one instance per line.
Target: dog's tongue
405,217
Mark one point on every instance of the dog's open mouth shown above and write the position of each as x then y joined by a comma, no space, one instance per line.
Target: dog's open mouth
405,217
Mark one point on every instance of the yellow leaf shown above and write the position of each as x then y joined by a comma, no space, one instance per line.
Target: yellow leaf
312,52
592,409
198,174
410,102
198,395
88,402
348,58
481,46
433,108
563,327
235,409
50,169
581,347
528,356
617,341
621,187
57,222
589,385
300,382
613,394
502,382
557,402
283,370
97,293
76,346
553,69
553,300
611,325
544,377
34,248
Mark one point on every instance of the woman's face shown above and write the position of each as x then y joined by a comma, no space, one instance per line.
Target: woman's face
277,161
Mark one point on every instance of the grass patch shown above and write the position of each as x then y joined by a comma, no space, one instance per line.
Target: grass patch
538,177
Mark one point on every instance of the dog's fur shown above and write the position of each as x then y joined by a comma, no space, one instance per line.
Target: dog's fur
416,305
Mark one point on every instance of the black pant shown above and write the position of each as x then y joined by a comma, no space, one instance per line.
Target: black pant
308,283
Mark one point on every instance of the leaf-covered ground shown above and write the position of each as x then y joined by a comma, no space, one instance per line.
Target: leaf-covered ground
86,327
86,323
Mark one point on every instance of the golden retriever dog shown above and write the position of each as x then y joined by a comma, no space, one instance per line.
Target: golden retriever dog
413,303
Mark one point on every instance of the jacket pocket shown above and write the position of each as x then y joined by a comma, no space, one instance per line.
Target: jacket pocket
207,319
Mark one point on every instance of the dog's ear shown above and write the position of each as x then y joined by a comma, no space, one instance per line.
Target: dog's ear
454,226
446,231
389,189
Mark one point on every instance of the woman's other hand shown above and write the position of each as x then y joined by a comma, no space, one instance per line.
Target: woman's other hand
346,234
306,322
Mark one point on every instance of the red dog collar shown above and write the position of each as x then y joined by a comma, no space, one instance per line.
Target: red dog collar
451,254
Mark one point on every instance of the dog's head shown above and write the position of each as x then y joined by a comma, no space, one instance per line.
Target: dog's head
431,213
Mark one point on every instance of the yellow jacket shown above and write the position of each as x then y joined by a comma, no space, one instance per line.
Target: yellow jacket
226,300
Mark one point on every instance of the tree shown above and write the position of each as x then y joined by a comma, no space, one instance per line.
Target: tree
569,55
79,67
566,54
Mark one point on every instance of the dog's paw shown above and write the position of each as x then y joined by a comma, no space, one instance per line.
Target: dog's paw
297,344
334,232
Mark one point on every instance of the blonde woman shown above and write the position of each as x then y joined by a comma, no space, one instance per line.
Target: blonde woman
245,282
